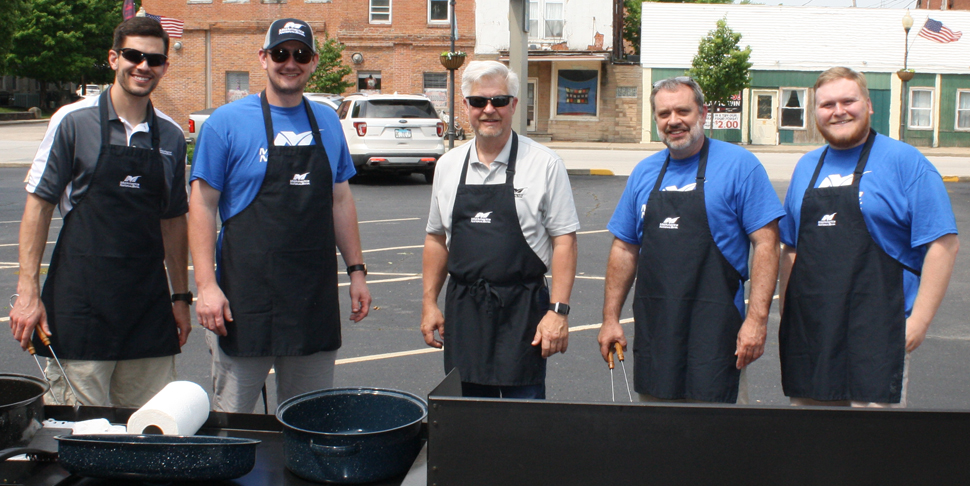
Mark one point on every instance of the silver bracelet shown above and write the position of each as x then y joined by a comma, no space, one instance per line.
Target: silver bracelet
13,300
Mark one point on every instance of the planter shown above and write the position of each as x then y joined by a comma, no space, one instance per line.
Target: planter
905,75
453,61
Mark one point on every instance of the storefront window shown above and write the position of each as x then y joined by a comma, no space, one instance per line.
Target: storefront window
793,108
921,108
963,110
576,94
237,86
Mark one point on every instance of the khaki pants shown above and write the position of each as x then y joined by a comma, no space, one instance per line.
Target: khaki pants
801,402
237,381
742,393
126,384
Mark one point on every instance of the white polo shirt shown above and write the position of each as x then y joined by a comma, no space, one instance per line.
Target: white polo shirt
543,196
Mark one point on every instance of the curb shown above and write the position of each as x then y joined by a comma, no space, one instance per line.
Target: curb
591,172
956,179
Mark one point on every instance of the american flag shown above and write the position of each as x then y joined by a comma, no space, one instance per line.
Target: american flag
935,31
170,25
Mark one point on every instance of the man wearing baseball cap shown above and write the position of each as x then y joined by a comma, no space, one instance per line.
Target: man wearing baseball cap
268,283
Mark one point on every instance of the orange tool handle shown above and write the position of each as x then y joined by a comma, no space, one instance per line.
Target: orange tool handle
609,359
47,342
619,349
30,348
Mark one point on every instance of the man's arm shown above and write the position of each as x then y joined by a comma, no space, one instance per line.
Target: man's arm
620,272
434,270
937,267
764,274
176,241
211,307
553,330
348,241
28,311
788,255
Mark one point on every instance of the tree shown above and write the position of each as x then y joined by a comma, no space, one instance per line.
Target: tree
10,11
720,66
330,73
631,23
64,40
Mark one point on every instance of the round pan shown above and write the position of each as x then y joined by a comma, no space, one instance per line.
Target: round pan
21,408
156,457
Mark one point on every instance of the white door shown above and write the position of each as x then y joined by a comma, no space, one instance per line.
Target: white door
531,104
764,124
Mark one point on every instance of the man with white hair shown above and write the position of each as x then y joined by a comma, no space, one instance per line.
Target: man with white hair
502,215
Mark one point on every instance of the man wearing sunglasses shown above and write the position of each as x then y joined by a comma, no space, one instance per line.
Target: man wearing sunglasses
116,168
683,227
502,214
276,167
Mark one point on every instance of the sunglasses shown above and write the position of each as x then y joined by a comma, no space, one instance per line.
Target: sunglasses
302,55
679,79
135,57
483,101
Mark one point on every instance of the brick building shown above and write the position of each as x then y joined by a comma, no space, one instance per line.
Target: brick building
393,46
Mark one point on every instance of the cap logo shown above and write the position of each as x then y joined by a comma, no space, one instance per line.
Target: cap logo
292,28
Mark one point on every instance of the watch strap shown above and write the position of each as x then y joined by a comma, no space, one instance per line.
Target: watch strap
360,267
559,308
184,297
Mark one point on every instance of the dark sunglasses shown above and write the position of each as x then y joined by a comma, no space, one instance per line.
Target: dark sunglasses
302,55
483,101
135,57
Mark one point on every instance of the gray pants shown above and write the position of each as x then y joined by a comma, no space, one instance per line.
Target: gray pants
237,381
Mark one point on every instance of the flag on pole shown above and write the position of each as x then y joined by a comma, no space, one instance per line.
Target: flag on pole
128,11
170,25
935,31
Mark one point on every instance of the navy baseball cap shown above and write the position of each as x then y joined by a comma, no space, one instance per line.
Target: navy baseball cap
283,30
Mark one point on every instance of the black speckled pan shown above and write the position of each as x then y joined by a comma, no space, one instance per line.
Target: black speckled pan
156,457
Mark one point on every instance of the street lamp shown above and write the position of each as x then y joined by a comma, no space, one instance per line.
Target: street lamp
905,75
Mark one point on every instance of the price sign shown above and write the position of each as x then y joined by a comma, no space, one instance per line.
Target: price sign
723,121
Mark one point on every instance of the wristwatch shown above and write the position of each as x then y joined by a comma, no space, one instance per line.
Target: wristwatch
186,297
360,267
559,308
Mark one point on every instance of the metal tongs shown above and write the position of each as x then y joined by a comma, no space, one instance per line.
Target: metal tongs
33,352
619,356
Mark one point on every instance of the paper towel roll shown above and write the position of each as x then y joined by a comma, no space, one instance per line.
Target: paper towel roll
179,409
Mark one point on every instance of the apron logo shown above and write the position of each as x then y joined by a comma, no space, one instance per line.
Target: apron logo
263,155
482,218
300,180
165,152
670,223
827,220
687,188
131,182
519,192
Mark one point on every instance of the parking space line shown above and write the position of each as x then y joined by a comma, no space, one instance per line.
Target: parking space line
386,280
592,232
18,244
387,220
18,221
393,248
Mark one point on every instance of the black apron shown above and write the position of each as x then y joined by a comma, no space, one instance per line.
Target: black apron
843,329
686,321
106,292
497,293
279,262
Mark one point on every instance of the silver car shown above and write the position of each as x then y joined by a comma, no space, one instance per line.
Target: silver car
392,133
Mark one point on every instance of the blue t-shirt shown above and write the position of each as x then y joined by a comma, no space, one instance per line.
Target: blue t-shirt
737,193
904,202
230,154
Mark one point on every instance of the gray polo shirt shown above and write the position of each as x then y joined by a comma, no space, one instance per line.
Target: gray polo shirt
65,161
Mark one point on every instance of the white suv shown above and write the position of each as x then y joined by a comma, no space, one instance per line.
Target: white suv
392,133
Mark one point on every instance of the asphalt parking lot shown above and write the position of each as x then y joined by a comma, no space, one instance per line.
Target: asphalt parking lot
387,350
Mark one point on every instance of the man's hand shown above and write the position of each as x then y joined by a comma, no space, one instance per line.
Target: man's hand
915,333
27,313
552,333
212,309
183,319
360,298
610,333
751,342
432,320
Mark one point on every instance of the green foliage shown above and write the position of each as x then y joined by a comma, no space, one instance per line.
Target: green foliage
10,11
63,40
720,67
330,73
631,23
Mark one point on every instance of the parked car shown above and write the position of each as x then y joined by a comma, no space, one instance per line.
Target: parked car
392,133
92,90
196,119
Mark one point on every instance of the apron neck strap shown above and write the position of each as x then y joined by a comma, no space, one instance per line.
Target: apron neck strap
860,166
106,127
268,121
509,170
701,167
